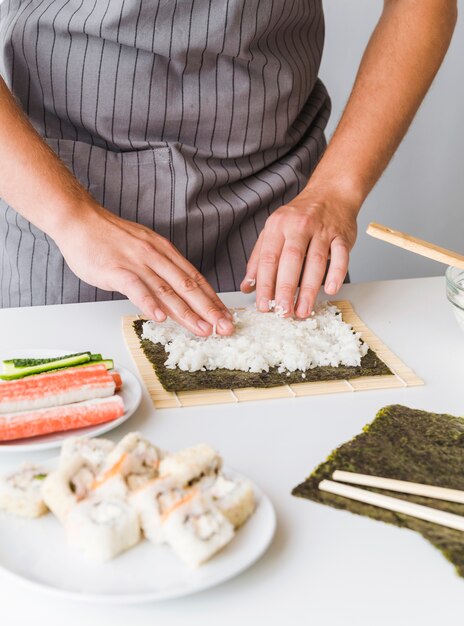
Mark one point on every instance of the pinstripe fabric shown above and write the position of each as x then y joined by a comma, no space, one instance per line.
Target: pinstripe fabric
195,118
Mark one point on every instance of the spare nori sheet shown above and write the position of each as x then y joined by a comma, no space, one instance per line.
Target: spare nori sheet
406,444
177,380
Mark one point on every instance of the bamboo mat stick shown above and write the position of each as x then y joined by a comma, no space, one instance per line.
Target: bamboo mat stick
427,513
402,486
418,246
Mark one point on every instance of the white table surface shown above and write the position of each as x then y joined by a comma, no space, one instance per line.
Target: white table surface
325,566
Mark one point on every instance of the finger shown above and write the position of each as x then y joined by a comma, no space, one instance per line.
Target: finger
177,308
182,263
249,282
340,255
289,272
140,295
184,297
313,275
268,263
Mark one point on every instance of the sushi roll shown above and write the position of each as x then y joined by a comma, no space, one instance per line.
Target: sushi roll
62,489
137,460
93,452
73,481
21,492
235,499
103,527
196,529
152,502
191,464
111,481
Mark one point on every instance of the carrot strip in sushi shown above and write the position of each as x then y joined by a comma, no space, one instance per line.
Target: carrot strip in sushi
75,384
59,418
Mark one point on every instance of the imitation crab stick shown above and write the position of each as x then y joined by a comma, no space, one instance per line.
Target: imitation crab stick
116,376
75,384
60,418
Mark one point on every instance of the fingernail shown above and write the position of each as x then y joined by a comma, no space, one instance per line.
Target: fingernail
159,315
332,287
225,325
204,326
302,310
263,305
282,308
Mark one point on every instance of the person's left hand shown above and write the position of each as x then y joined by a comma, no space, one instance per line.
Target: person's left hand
297,241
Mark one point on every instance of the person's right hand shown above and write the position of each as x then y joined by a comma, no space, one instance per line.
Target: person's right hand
114,254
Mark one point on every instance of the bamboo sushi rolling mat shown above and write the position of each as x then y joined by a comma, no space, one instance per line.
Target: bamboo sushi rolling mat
402,375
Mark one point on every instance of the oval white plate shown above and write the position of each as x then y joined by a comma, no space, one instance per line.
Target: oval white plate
35,553
131,393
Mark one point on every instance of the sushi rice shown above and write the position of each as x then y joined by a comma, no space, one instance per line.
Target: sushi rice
196,529
21,492
191,464
103,527
263,341
152,502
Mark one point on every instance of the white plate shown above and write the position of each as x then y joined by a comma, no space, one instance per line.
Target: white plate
131,393
35,553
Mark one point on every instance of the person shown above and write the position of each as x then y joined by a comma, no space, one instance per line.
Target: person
165,151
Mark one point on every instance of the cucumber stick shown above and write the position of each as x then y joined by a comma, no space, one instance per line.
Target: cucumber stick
25,367
12,366
52,365
108,363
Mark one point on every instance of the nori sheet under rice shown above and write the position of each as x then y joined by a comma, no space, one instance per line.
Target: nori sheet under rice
406,444
177,380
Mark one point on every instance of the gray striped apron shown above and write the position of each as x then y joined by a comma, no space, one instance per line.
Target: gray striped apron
192,117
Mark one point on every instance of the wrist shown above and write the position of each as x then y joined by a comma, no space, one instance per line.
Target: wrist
342,188
332,181
335,193
63,223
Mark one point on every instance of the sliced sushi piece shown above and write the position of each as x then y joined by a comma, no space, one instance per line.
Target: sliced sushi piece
73,481
111,480
191,464
153,502
66,386
66,486
21,492
103,527
196,529
136,459
235,499
60,418
58,494
93,452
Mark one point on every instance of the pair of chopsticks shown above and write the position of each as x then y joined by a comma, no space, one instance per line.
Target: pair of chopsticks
429,514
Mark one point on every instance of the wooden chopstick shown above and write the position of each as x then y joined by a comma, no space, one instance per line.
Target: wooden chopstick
402,486
413,244
450,520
